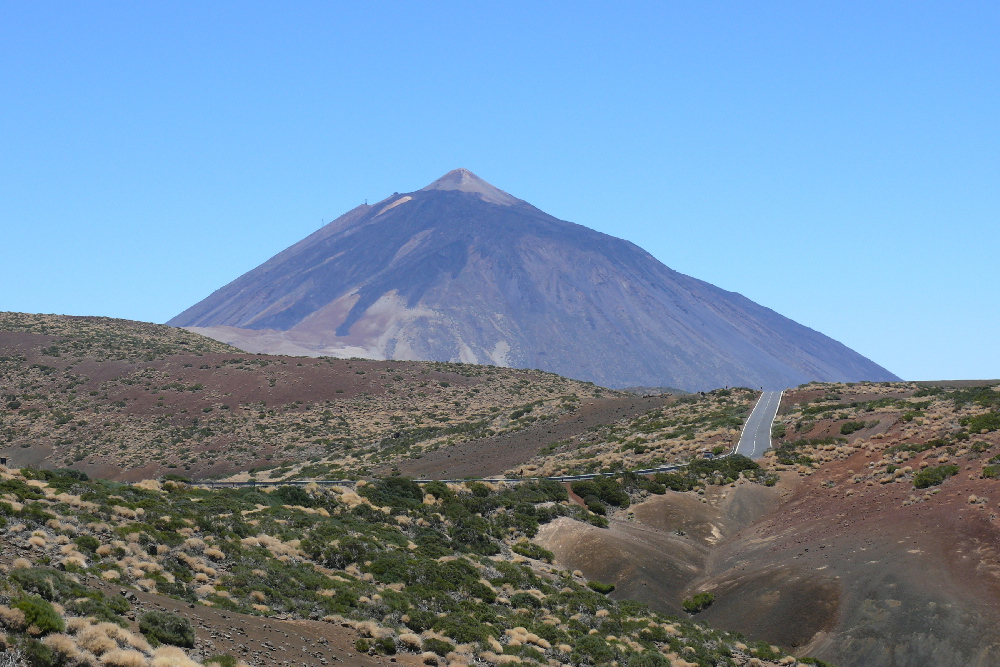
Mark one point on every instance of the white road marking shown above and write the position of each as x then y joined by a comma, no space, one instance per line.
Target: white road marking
762,416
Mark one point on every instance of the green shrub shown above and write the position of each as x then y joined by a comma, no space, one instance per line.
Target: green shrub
40,613
160,627
221,661
50,584
675,481
385,646
764,651
848,428
592,649
933,476
814,661
990,472
604,489
37,654
595,505
527,600
989,421
909,447
293,495
439,490
600,588
87,543
532,550
463,629
394,492
648,659
420,620
699,602
438,646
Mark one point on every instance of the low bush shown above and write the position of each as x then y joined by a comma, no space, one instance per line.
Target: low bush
699,602
600,588
160,627
933,476
438,646
47,583
385,646
87,543
592,649
532,550
763,651
648,659
37,654
293,495
675,481
847,428
605,489
394,492
595,505
221,661
526,600
989,421
814,661
39,612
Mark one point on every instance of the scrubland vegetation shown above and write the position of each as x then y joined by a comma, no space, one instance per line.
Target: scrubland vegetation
917,434
444,571
677,432
130,394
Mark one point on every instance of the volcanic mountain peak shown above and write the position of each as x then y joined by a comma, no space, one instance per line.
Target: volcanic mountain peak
463,271
465,181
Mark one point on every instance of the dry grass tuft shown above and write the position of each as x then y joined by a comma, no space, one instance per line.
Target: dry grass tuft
171,656
124,658
12,619
64,647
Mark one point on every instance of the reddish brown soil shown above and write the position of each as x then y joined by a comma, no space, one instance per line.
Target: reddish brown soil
884,583
492,456
655,556
858,580
202,385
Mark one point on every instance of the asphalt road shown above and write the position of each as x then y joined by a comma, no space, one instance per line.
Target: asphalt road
756,436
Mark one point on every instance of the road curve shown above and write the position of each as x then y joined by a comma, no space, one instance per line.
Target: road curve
756,436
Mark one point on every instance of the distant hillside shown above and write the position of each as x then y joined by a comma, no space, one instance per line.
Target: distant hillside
462,271
130,399
655,391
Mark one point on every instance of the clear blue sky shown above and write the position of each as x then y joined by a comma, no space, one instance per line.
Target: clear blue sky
838,162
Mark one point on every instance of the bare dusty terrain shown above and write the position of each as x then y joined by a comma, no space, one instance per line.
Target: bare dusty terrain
843,559
492,456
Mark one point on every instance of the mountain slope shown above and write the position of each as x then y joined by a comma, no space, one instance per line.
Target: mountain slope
463,271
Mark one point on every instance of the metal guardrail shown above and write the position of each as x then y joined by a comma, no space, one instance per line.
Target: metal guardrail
491,480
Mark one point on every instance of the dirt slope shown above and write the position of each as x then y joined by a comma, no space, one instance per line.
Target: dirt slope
844,559
492,456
